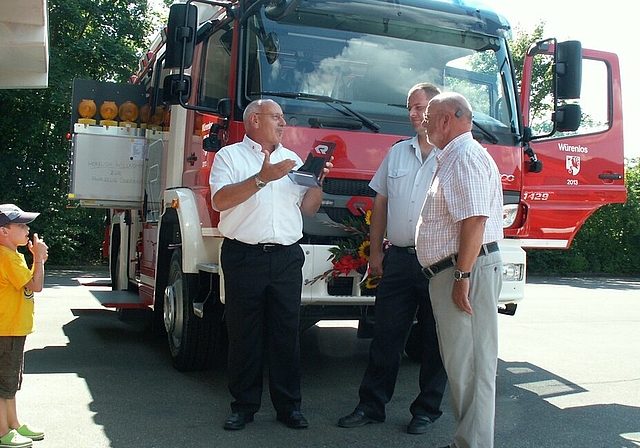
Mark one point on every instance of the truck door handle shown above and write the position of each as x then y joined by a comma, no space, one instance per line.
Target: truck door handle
614,176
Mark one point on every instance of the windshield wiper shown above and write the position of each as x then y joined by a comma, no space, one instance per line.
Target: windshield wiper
486,133
368,122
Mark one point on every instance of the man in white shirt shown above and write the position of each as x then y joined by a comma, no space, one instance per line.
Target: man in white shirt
260,218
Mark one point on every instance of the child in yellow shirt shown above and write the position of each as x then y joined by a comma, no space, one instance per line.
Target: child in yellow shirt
17,286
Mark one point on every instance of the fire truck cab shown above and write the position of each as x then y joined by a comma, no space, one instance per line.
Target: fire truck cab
340,71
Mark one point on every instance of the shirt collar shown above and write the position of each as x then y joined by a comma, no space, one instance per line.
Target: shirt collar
255,146
448,149
414,145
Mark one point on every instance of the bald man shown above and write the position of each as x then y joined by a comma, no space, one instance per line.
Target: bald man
456,242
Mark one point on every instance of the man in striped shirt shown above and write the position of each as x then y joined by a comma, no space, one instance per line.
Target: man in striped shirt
456,244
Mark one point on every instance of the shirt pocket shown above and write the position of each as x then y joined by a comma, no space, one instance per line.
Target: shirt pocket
398,182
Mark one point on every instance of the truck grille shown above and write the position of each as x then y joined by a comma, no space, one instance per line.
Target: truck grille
347,187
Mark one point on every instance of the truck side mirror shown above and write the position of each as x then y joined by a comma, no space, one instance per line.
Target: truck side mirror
224,107
278,10
181,35
211,142
568,117
176,89
568,69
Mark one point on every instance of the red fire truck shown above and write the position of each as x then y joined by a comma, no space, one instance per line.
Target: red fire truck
340,71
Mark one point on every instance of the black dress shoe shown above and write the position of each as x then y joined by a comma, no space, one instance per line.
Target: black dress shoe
237,420
419,424
294,420
355,419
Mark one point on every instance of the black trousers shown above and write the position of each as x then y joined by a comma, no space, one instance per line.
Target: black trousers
403,291
262,307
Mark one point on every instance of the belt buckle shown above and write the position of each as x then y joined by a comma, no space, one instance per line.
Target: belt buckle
267,247
411,250
485,249
430,271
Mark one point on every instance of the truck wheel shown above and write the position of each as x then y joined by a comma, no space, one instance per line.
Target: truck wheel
191,339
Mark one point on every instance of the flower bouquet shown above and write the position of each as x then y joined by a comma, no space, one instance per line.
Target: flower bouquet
351,254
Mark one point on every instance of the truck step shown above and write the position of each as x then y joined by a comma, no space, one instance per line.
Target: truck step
118,299
212,268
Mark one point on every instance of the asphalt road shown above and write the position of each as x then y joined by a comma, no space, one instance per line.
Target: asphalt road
568,376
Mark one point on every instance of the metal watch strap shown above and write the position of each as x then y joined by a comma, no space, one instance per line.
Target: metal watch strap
259,182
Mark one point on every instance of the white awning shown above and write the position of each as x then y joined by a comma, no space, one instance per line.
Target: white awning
24,44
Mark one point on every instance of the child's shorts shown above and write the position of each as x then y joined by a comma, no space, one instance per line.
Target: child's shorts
11,362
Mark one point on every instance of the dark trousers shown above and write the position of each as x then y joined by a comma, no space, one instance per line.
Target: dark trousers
403,291
262,306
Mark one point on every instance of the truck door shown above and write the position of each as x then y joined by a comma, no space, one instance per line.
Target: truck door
582,170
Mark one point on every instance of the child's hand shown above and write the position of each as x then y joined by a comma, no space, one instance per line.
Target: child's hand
38,248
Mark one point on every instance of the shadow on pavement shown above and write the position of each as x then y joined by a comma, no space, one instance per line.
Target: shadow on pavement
142,401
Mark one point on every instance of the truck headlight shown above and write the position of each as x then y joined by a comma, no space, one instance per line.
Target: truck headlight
512,272
509,213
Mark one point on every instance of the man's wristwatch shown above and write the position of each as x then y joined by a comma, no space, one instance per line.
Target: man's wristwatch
459,275
259,183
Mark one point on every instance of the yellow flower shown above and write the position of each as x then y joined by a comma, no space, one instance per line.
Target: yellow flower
372,282
363,250
352,252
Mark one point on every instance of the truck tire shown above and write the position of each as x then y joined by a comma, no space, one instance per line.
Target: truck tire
192,340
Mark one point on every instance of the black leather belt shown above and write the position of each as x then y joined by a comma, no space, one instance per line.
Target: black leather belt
408,249
448,262
264,247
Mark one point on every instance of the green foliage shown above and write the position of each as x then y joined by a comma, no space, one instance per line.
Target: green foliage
89,39
541,71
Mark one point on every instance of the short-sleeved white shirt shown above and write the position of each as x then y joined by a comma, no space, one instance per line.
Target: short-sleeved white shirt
467,183
272,215
403,178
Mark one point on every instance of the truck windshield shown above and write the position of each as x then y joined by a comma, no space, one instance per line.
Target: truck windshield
313,72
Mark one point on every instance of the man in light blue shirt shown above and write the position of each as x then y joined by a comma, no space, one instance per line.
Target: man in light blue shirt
401,184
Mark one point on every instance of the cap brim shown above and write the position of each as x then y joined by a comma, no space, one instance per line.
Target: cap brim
25,217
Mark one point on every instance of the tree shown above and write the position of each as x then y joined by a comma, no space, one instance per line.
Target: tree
541,76
95,39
